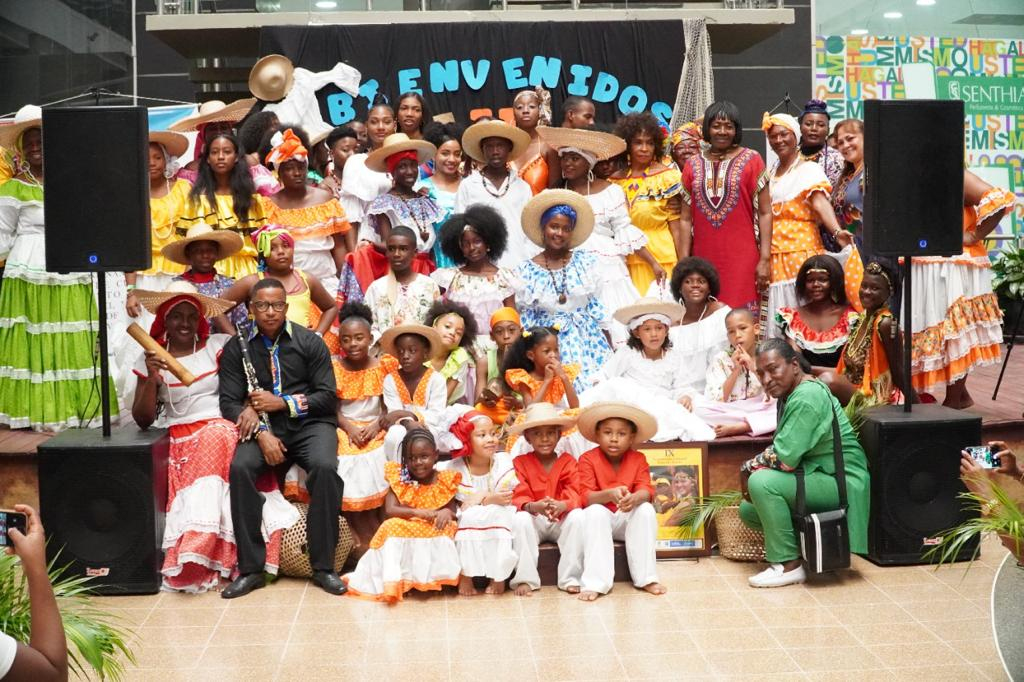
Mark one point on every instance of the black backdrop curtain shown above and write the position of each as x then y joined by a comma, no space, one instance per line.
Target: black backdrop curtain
464,68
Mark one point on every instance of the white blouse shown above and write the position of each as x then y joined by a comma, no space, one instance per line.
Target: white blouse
667,376
699,342
200,401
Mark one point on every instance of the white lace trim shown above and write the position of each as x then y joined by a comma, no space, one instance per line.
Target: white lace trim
49,376
49,327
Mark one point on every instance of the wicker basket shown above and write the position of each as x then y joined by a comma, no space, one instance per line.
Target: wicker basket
295,552
735,540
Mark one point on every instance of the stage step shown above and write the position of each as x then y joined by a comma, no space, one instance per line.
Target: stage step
19,473
547,564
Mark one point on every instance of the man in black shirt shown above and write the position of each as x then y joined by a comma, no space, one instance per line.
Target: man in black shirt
297,397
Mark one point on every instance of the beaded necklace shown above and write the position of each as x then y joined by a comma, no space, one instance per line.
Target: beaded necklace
502,190
562,290
856,352
420,227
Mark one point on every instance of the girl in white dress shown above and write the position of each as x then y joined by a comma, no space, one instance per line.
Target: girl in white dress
414,393
701,333
648,372
486,515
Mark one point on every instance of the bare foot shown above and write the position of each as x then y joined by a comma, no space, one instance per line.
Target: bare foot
466,588
573,589
588,596
654,588
496,587
523,590
726,430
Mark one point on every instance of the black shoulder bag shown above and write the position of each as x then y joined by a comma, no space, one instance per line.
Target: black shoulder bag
824,537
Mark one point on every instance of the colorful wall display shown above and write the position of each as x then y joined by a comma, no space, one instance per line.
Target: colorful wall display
987,74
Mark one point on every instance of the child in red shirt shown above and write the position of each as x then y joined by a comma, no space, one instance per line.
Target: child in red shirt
547,500
616,491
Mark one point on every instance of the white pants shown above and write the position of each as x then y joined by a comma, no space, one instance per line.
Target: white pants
529,530
601,527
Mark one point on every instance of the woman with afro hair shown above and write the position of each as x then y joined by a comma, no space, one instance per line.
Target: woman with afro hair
649,185
475,240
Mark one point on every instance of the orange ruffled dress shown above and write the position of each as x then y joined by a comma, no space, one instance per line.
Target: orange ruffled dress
409,554
535,174
956,322
313,229
572,440
360,468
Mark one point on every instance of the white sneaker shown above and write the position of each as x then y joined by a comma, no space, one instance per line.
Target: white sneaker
775,576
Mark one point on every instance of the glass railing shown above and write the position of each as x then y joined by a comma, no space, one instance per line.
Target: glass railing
321,6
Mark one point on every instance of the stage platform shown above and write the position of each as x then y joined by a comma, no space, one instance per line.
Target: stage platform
1002,420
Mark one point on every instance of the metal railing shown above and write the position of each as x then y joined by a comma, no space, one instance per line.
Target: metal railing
321,6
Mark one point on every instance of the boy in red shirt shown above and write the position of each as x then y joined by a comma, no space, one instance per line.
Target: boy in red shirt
548,501
616,491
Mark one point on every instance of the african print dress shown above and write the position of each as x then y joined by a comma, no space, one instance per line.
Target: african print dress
49,365
222,217
865,364
313,228
957,323
795,238
484,538
360,399
409,554
580,319
723,207
199,541
648,199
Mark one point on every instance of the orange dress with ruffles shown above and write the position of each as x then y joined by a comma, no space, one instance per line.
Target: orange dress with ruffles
409,554
536,174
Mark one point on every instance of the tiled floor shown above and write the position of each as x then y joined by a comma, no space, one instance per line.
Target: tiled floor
869,624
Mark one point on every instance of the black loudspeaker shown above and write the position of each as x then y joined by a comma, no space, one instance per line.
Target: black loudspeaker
913,177
97,189
102,502
914,460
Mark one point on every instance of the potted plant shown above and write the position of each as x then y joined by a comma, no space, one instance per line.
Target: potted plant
95,639
999,503
1008,283
735,540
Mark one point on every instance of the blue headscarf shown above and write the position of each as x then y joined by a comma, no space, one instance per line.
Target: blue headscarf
560,209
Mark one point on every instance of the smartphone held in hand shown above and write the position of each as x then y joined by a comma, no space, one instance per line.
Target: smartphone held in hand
983,455
11,519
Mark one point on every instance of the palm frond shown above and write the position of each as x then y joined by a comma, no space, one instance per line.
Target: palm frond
999,514
704,510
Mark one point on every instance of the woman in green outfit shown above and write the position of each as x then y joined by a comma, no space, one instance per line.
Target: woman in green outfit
803,439
48,320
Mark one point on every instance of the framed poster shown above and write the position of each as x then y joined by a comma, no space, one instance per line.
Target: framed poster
680,478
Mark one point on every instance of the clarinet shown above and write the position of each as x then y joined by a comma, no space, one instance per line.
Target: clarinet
250,373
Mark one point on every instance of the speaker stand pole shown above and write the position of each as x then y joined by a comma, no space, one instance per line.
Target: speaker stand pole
1009,349
101,289
908,335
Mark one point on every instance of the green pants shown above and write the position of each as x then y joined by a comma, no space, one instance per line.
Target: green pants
774,498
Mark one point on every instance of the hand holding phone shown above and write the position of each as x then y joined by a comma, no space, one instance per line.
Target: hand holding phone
982,454
10,519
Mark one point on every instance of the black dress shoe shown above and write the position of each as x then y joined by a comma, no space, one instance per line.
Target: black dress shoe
329,582
243,585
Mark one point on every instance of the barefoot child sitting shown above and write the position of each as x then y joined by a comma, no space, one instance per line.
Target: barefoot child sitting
615,487
413,548
548,501
734,401
484,538
414,393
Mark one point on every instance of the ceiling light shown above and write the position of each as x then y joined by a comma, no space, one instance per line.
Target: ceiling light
859,32
326,4
925,3
893,15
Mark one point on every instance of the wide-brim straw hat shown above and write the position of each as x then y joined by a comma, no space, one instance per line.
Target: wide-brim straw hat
646,424
229,242
478,132
541,414
215,111
29,116
387,339
536,206
650,306
176,144
377,160
152,300
272,77
601,145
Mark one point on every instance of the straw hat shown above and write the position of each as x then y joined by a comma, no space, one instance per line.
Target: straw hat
649,305
478,132
387,339
228,241
601,145
646,425
272,77
395,143
29,116
152,300
541,414
536,206
175,143
215,111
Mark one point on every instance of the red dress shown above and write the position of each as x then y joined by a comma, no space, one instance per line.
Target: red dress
721,195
